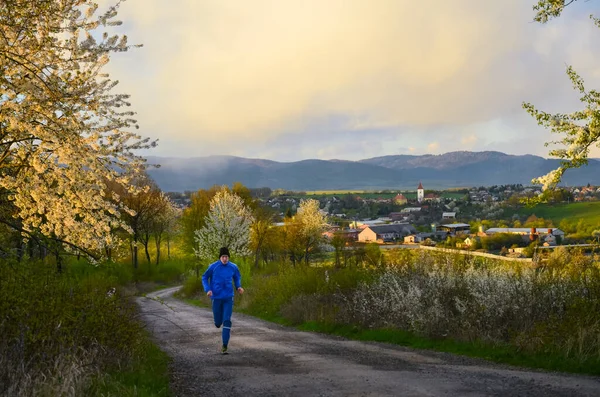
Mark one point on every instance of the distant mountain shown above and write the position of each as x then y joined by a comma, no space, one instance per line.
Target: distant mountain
454,169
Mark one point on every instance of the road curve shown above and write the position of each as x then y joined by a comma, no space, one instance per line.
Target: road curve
271,360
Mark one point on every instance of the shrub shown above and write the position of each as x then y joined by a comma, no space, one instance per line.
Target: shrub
553,308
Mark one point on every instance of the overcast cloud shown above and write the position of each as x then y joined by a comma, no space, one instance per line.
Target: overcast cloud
289,80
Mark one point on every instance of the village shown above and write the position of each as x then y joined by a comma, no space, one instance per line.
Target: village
480,219
476,219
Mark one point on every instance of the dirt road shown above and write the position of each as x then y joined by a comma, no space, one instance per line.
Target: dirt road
270,360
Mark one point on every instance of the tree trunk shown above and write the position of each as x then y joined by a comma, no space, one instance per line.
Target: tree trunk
256,258
306,255
21,251
168,248
134,257
157,241
146,251
58,262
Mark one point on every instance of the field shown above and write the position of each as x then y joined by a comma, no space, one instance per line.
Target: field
588,211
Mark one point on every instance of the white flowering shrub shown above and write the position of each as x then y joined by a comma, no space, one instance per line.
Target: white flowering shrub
470,299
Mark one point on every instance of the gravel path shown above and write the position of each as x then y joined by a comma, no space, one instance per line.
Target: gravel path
270,360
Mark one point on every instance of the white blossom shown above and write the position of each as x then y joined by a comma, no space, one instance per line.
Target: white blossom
63,131
227,225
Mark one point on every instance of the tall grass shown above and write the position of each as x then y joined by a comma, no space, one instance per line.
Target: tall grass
61,332
288,293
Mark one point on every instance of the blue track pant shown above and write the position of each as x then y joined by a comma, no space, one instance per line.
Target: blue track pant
222,309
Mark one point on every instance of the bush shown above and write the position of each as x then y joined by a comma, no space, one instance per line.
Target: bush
192,287
551,309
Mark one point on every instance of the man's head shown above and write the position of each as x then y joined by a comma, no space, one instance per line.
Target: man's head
224,255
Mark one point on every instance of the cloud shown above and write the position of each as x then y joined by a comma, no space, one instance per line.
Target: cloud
218,75
469,140
433,147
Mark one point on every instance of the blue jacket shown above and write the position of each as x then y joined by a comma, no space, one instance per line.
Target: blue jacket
217,278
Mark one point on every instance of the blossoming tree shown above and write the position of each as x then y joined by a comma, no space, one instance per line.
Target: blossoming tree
581,129
312,225
63,130
227,225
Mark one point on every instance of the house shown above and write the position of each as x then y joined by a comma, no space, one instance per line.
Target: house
420,237
431,197
384,233
456,228
526,231
370,222
347,234
448,215
469,241
400,199
549,240
398,216
411,209
531,234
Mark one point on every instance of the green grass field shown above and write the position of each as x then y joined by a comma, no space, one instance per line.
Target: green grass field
589,211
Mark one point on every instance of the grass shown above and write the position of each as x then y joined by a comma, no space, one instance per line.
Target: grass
147,375
590,211
197,302
129,364
504,354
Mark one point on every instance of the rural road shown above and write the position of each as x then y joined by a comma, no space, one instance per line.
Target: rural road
271,360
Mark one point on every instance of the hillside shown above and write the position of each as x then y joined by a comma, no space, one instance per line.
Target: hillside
388,172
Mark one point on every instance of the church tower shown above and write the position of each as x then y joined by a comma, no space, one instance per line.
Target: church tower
420,193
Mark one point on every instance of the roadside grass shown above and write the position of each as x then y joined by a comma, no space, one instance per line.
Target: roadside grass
168,272
146,376
498,353
101,341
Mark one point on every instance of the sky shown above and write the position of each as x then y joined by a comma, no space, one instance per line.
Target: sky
289,80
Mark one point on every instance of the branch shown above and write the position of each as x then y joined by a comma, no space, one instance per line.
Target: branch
34,237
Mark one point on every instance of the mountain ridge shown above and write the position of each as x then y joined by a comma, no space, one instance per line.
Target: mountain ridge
452,169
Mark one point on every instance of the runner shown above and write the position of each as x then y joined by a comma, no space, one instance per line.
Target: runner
217,283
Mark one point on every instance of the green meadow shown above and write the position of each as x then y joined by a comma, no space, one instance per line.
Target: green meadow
588,211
